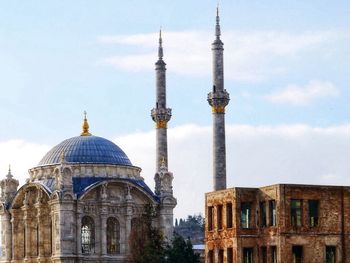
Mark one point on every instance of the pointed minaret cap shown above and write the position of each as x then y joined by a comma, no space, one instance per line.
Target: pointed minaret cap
160,48
217,28
85,127
9,174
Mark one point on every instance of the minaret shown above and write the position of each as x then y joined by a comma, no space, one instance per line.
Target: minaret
163,178
161,114
218,100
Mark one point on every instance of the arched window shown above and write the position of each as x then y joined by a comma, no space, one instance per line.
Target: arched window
113,236
87,235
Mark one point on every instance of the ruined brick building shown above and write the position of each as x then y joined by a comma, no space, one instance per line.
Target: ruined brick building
273,224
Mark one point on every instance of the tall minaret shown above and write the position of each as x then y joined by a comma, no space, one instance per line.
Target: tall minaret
161,114
163,178
218,100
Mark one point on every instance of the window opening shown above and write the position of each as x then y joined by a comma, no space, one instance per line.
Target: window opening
210,218
263,222
247,255
296,212
297,254
330,254
230,255
245,215
272,206
219,216
113,236
313,213
87,235
229,215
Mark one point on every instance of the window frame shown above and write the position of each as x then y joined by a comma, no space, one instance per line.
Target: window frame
87,233
229,215
335,254
263,214
113,236
294,251
296,219
313,220
210,218
246,206
219,215
272,213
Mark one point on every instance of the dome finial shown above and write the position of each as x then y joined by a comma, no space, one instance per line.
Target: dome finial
85,127
9,174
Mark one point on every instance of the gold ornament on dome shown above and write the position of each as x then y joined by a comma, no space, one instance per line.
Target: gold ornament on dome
85,127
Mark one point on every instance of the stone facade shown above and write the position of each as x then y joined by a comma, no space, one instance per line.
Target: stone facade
83,199
278,223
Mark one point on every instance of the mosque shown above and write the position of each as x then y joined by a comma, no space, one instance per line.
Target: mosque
82,200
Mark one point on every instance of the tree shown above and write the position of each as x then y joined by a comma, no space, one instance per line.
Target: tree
181,251
146,242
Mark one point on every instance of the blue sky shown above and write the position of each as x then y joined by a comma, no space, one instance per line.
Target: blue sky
287,63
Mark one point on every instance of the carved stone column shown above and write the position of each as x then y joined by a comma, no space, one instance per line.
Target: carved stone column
15,233
103,218
78,232
6,235
27,233
40,235
128,216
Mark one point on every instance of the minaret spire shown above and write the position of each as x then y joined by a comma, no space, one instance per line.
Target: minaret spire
218,99
217,27
160,48
161,114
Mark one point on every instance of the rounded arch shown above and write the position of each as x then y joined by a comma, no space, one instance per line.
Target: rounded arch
113,236
90,188
20,194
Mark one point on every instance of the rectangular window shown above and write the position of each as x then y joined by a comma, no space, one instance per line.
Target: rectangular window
297,254
247,255
219,216
313,213
273,254
210,256
245,215
210,218
229,215
230,255
263,254
263,222
295,212
221,256
330,254
272,206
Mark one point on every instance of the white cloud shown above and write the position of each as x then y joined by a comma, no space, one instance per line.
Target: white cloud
303,95
21,155
249,56
256,156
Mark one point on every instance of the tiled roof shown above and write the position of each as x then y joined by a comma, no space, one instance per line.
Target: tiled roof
86,149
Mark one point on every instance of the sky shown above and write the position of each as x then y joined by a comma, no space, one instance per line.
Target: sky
287,69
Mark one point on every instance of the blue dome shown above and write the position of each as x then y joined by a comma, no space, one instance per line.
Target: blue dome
86,150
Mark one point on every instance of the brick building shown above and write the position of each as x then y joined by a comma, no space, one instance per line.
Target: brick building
273,224
278,223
